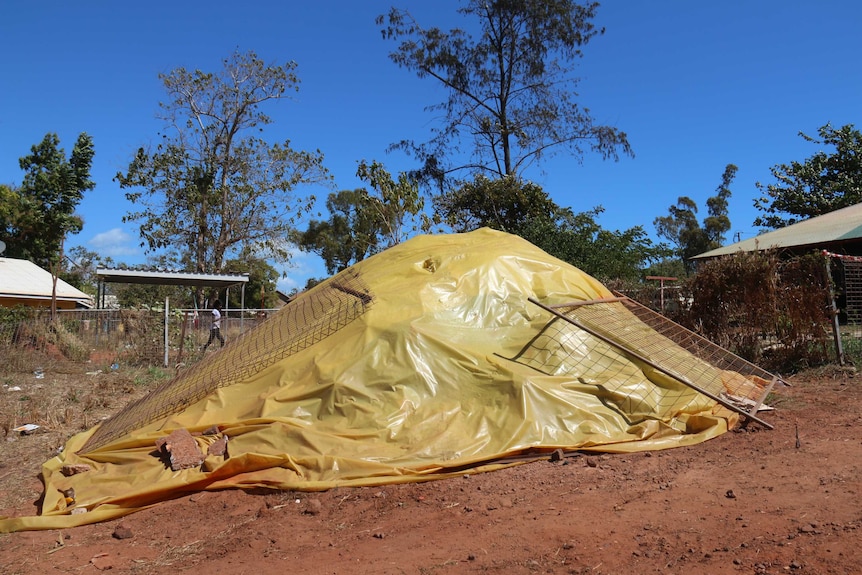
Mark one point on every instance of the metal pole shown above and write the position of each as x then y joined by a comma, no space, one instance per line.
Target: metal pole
242,309
167,304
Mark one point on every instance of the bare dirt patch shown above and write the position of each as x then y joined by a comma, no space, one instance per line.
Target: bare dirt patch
751,501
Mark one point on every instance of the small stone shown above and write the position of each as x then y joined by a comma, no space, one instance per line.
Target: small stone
122,532
102,562
313,507
219,447
74,469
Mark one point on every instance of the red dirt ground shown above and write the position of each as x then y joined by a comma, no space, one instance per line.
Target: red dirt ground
752,501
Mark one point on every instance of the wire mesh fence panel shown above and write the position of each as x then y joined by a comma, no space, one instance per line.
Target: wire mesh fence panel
307,320
30,336
846,272
610,344
853,290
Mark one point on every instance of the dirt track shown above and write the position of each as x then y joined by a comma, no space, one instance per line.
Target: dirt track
750,501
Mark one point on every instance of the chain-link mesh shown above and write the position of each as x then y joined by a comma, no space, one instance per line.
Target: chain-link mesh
29,338
308,319
623,328
849,283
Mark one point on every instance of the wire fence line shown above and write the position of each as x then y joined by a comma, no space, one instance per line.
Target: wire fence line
30,340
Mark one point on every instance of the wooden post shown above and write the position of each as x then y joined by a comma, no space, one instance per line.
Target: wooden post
836,329
661,279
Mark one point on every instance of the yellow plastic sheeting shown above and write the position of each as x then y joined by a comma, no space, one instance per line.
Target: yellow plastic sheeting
416,388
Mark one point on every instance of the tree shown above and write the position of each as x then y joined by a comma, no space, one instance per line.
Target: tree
505,204
821,184
524,209
18,221
261,286
683,230
350,234
81,272
36,217
512,90
363,222
605,254
396,205
212,187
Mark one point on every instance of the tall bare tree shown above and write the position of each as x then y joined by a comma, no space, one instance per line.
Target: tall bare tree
213,186
681,227
511,90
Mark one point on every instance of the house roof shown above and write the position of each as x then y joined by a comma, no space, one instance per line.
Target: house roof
24,280
828,230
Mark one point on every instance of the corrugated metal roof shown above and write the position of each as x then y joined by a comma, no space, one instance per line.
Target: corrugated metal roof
835,227
170,277
25,280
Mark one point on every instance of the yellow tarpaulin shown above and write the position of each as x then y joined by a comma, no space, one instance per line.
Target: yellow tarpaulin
418,384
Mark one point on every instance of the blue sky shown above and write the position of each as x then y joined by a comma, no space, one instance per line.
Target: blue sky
695,85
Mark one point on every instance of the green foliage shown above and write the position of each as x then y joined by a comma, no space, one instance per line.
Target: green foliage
394,205
511,90
9,315
667,267
36,218
212,187
823,183
524,209
81,273
362,222
604,254
349,235
769,311
504,203
261,285
146,296
683,230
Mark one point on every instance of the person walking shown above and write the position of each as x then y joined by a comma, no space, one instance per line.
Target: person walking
215,328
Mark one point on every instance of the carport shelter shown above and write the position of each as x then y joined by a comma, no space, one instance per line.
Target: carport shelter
159,277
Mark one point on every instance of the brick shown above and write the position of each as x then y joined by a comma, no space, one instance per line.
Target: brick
218,447
182,450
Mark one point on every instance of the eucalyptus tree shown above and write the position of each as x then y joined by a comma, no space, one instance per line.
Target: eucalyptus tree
364,221
213,185
682,228
511,88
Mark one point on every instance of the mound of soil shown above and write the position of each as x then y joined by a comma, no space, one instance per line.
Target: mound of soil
751,501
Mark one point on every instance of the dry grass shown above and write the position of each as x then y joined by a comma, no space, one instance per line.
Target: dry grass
67,399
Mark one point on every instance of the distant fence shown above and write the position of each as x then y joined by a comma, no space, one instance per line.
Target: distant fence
30,340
